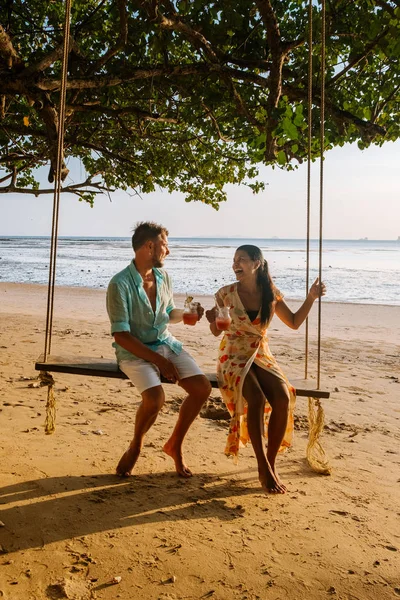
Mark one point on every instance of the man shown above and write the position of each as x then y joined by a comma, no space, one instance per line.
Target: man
140,306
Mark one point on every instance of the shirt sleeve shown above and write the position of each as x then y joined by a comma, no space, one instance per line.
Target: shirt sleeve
170,294
117,308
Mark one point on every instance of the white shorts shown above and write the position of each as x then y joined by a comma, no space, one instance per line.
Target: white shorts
145,375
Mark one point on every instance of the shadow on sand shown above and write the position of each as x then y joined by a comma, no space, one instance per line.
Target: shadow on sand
42,511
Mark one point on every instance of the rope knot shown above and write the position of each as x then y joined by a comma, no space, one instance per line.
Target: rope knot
50,422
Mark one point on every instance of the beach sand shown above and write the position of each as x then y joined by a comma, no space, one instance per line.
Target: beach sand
69,525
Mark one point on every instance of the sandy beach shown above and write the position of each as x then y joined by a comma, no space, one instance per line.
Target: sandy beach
69,526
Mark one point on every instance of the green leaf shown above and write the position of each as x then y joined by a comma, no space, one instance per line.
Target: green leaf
290,129
281,157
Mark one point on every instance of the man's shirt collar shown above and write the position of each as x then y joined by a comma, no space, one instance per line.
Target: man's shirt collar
138,279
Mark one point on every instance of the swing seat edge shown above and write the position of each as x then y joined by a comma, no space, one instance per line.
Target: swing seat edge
108,367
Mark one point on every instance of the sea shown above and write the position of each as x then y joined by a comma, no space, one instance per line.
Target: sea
356,271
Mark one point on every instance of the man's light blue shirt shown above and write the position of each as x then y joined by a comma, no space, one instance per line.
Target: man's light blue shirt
129,309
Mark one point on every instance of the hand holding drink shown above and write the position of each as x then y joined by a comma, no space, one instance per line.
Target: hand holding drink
219,317
192,312
190,316
223,318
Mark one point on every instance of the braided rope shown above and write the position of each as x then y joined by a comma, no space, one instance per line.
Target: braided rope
315,453
321,182
50,422
44,376
309,139
57,182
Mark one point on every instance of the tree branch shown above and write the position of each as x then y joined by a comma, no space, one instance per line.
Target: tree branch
173,21
12,86
366,128
7,50
241,105
210,114
13,157
381,105
23,131
45,62
121,41
80,25
2,107
247,63
49,116
358,58
104,151
9,176
278,54
386,6
75,188
117,112
101,81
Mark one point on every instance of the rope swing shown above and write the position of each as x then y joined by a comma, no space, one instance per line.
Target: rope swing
44,376
315,453
105,368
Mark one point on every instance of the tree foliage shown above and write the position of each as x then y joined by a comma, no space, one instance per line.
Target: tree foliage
186,94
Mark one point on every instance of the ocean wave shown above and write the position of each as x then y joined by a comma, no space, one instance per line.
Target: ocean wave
354,271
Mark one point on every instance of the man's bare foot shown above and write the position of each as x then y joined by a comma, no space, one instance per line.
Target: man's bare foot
176,455
127,462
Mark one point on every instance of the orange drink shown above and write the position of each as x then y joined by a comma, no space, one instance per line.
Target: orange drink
222,324
190,318
190,311
223,318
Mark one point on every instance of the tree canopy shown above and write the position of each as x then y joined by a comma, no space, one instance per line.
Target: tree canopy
189,95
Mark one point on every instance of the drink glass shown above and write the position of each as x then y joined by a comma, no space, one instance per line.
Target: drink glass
223,318
190,314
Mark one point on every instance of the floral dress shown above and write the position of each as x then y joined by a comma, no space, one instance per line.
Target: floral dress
243,343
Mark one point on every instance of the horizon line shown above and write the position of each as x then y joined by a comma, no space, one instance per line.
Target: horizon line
231,237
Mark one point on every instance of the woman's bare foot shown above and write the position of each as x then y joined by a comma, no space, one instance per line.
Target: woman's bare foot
270,484
275,473
283,486
127,462
176,454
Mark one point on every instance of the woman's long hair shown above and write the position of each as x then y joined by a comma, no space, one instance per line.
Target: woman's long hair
263,279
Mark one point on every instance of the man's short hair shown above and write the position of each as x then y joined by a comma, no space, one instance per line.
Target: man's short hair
145,231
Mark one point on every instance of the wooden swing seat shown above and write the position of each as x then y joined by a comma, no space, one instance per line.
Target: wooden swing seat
104,367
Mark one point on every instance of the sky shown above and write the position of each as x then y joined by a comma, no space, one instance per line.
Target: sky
361,200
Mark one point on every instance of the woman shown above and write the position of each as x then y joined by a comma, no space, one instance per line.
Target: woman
256,392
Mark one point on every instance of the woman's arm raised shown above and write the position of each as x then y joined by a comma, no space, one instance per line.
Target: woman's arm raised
294,320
